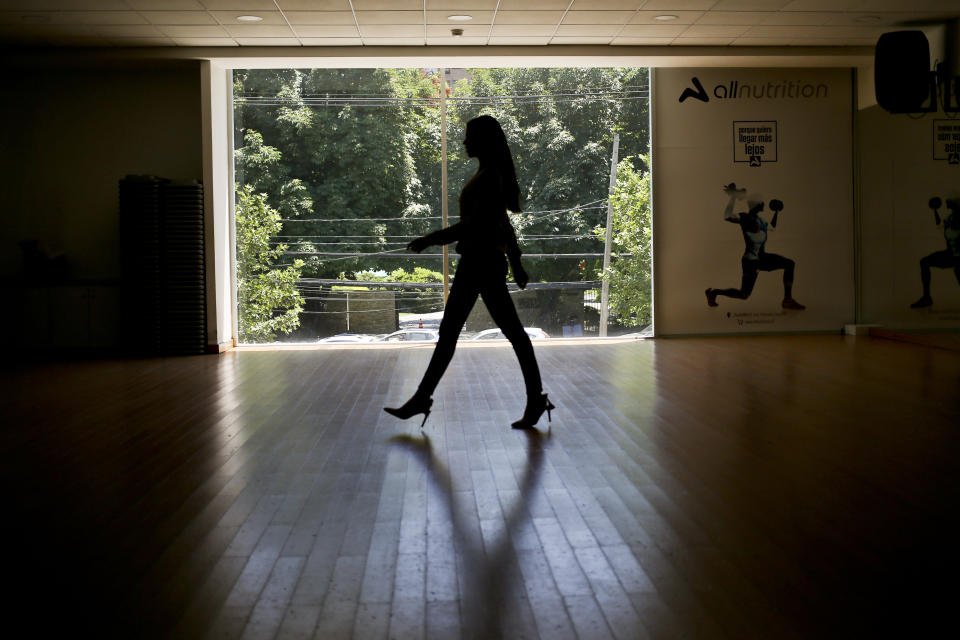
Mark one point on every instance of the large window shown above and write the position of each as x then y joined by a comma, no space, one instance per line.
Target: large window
338,169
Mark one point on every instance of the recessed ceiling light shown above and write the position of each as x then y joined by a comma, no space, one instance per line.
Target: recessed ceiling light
460,17
867,19
665,18
249,19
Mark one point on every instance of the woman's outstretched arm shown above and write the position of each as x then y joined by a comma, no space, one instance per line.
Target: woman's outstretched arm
453,233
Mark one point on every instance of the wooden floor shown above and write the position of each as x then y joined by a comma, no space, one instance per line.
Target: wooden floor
780,487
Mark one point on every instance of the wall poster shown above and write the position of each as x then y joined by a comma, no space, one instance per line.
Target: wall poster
753,200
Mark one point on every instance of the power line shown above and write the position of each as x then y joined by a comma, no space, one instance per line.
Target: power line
523,240
347,256
594,204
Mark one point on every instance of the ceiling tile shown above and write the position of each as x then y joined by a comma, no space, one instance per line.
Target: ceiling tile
802,42
96,17
464,40
16,18
177,31
327,31
391,31
580,40
519,40
735,17
678,5
528,17
394,42
750,5
804,32
57,30
821,5
703,42
653,30
331,42
62,5
320,17
126,31
528,30
906,5
714,31
388,5
268,42
886,19
440,17
469,31
239,5
144,42
785,18
390,17
314,5
643,42
588,30
178,17
597,17
75,41
462,5
606,5
230,17
205,42
683,17
165,5
533,5
258,31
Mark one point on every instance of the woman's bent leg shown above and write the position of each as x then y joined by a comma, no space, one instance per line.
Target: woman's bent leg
462,297
501,309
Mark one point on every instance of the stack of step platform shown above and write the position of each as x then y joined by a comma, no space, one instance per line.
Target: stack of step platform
163,263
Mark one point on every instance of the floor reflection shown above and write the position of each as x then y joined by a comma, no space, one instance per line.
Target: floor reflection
488,570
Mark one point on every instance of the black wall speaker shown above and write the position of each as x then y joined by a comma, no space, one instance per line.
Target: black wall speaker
902,71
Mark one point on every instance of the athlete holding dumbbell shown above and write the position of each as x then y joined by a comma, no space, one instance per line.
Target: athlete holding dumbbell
755,258
946,259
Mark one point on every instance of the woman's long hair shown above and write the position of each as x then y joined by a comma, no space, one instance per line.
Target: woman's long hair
489,134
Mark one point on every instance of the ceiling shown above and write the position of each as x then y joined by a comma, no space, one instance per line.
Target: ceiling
299,23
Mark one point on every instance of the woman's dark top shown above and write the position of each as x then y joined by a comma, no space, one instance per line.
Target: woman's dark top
484,226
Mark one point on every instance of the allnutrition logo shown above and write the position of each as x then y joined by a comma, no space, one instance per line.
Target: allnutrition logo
737,90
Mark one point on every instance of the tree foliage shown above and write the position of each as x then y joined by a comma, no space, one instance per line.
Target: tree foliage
629,272
269,301
365,144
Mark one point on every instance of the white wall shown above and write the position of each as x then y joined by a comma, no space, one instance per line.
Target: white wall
694,155
898,175
216,86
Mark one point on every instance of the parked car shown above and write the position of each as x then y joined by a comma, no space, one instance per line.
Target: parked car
346,338
411,335
497,334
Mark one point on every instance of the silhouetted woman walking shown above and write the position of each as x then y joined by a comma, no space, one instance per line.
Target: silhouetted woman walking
485,241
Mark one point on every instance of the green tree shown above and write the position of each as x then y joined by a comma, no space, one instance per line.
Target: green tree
631,258
269,301
352,137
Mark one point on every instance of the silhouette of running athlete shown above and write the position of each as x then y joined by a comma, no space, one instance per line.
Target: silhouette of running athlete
946,259
485,241
755,257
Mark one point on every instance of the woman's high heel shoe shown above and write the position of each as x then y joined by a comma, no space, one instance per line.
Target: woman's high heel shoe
534,410
413,406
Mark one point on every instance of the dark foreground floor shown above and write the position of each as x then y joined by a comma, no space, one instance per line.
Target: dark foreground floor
789,487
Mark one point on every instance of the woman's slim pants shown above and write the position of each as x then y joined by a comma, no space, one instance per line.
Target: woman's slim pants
483,276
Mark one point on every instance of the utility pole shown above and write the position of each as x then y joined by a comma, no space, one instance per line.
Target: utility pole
608,240
443,178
